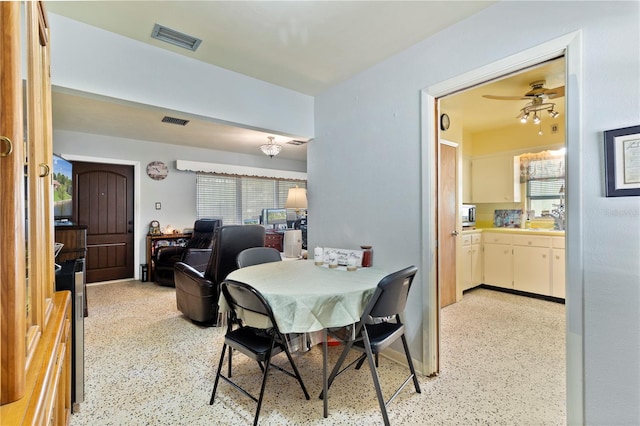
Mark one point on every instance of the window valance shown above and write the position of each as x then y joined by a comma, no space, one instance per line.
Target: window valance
233,170
542,166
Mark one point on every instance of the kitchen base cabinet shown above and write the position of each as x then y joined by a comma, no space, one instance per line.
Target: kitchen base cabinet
498,259
531,265
471,271
558,268
525,261
498,265
531,269
466,267
476,259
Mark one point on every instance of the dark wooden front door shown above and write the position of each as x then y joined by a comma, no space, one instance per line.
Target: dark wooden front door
104,203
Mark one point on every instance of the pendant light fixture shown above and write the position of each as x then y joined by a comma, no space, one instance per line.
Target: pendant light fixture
271,149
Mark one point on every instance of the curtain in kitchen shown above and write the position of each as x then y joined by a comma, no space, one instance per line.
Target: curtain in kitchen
546,165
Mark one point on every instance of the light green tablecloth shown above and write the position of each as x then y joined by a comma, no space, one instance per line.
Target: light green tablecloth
305,297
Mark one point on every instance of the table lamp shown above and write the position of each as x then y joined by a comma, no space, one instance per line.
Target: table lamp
296,199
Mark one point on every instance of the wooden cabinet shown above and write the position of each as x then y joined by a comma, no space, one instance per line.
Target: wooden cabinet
154,242
531,265
35,320
274,240
74,238
498,260
558,284
495,179
471,270
48,379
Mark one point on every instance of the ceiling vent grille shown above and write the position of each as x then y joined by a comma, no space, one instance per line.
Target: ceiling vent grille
296,142
173,120
174,37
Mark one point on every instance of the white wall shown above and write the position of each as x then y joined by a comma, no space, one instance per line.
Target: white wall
177,192
93,60
364,174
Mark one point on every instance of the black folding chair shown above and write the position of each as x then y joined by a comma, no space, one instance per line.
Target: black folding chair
379,327
258,255
259,344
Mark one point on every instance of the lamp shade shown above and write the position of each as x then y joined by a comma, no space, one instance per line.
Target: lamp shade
297,198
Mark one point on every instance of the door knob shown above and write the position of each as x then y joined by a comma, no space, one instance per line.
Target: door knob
454,233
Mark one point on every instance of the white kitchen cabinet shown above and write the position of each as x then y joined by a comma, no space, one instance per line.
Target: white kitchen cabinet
531,265
466,180
495,179
466,267
471,270
531,269
476,259
558,284
525,261
498,260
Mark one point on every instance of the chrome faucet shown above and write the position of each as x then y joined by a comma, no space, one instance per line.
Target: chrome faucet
558,212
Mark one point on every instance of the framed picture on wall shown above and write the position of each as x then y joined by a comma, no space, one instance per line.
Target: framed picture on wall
622,162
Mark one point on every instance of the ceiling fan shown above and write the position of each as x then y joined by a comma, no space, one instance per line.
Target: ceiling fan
536,97
537,91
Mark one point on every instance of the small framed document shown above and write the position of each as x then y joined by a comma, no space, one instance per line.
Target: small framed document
622,162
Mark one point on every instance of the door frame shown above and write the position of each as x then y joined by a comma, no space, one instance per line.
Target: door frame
571,46
136,198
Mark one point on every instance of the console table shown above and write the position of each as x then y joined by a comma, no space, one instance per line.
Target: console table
156,241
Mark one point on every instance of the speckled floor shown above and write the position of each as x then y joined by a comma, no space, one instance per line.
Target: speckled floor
502,363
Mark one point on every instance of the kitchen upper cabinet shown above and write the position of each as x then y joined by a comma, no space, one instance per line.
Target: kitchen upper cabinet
466,180
495,179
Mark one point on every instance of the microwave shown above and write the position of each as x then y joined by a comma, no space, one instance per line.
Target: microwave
468,213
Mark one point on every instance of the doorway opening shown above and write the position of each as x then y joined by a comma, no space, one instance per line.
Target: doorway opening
569,47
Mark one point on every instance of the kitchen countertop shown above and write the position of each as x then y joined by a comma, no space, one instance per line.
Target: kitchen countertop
536,231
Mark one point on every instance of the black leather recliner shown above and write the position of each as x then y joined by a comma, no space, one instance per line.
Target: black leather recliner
197,292
196,252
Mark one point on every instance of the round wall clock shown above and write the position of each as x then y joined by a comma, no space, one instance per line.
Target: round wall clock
157,170
444,122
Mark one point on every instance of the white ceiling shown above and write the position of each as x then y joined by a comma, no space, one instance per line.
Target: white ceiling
307,46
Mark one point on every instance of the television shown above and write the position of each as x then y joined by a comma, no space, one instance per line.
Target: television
62,189
274,218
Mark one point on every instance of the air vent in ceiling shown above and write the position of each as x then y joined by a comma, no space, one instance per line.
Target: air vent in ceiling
296,142
173,120
174,37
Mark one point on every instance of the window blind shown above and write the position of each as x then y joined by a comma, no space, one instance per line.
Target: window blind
237,199
545,178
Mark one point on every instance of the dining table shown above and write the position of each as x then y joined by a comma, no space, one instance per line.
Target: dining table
307,298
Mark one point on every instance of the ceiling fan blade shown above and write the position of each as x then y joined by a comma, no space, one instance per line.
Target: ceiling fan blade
506,98
557,92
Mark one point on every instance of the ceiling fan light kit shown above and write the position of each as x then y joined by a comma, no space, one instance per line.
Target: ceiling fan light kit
537,96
